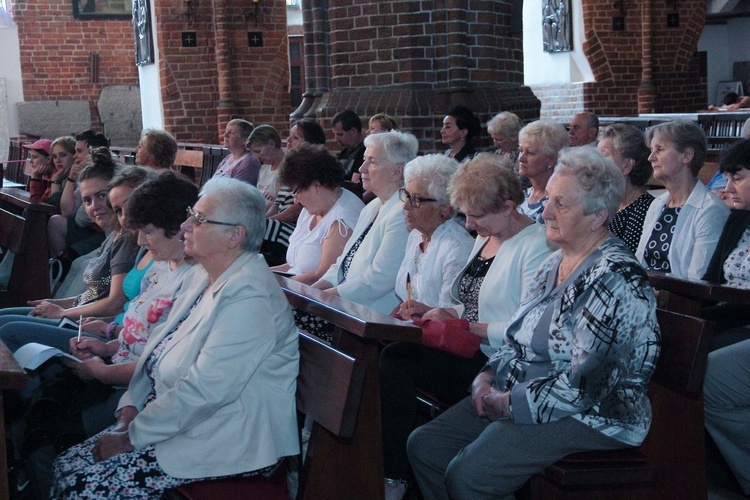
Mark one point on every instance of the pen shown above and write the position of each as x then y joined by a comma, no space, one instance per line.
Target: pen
408,291
80,326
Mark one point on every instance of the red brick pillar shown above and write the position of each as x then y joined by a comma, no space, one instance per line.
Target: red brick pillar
416,62
646,91
226,105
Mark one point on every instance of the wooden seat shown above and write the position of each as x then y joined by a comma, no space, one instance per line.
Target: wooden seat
190,163
329,389
23,230
671,462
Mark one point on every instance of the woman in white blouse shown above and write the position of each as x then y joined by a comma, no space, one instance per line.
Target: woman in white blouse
438,246
329,214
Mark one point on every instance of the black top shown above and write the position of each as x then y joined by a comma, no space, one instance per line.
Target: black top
627,224
351,159
734,227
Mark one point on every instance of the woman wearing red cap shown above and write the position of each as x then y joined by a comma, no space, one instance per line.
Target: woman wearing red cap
41,170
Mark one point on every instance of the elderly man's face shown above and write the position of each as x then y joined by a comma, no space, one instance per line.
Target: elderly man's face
580,132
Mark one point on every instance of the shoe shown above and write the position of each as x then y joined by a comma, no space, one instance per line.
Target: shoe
18,481
395,489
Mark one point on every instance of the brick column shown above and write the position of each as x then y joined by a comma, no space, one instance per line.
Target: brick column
223,49
647,91
415,62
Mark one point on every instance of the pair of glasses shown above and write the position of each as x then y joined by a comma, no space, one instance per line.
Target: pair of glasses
414,201
197,219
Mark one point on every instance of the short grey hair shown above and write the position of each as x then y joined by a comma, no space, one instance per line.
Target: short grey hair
599,178
241,203
505,123
683,134
435,171
399,147
546,135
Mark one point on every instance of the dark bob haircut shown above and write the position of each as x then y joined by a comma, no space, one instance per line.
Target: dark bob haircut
311,131
307,164
736,158
162,201
466,120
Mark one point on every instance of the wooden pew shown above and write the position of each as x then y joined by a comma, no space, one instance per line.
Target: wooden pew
690,296
359,332
329,389
671,463
23,230
190,163
12,377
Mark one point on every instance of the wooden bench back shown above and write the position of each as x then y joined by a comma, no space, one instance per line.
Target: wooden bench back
675,444
329,386
23,230
685,343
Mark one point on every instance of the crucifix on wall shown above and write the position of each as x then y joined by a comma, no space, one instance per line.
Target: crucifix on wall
144,44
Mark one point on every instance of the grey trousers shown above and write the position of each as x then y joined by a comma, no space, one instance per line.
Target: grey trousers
462,456
726,400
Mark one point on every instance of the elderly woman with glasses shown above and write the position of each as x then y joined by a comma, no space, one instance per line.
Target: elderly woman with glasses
579,352
437,247
213,393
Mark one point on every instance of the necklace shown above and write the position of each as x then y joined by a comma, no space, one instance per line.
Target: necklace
562,274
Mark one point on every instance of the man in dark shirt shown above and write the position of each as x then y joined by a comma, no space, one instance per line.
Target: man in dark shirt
347,130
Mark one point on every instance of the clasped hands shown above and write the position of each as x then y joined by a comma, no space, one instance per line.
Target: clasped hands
487,401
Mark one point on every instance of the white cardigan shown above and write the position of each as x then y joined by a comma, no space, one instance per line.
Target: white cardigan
696,232
445,257
372,273
507,280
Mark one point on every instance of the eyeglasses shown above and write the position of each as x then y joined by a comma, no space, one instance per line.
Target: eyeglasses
197,219
414,201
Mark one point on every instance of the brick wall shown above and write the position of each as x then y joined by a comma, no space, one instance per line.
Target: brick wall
617,61
417,59
55,51
222,77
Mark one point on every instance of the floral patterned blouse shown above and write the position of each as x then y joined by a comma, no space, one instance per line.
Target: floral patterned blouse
149,309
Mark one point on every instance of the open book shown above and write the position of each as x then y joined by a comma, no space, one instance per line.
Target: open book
32,355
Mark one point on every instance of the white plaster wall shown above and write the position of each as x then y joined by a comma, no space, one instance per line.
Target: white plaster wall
725,44
148,75
542,68
10,71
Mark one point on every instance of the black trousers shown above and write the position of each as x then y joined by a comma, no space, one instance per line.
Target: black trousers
404,367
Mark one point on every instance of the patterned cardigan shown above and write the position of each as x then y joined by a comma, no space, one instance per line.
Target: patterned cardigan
586,348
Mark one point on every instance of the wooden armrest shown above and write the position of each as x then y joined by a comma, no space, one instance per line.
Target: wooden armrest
698,289
355,318
20,198
12,376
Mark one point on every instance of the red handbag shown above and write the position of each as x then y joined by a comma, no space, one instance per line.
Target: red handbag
451,336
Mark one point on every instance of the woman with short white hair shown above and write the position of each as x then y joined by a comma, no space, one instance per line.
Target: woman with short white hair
503,129
539,143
